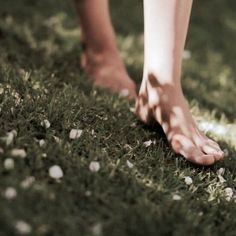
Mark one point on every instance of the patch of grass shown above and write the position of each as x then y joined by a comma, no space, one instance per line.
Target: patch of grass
41,79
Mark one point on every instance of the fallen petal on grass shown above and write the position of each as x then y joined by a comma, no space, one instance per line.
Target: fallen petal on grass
10,193
75,133
176,197
129,164
229,193
18,153
94,166
10,137
55,172
9,164
147,143
221,179
188,180
124,93
27,182
221,171
23,228
45,123
42,142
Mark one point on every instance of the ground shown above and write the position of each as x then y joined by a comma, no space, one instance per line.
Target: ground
140,189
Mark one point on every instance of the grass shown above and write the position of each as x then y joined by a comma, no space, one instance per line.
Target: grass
41,79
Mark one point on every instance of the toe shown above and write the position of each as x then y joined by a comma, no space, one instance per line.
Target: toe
212,148
198,157
191,152
209,147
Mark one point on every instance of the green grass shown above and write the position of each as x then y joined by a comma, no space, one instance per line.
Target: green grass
41,79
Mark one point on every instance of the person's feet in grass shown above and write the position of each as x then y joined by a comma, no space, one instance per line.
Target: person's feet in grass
106,70
167,106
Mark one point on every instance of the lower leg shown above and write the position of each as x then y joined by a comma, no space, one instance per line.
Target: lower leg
101,59
161,94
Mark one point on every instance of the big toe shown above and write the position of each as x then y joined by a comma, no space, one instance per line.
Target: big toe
191,152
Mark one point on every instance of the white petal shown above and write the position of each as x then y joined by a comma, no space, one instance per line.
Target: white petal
10,193
147,143
221,171
18,153
1,90
129,164
27,182
9,164
55,172
75,133
42,142
124,93
45,123
176,197
94,166
188,180
57,140
23,228
187,54
10,137
229,193
97,229
221,179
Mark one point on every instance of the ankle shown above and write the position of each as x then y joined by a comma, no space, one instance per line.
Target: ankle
169,86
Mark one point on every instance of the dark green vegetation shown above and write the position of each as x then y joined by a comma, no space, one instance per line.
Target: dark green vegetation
41,79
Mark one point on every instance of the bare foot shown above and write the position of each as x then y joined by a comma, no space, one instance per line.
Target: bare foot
167,105
106,70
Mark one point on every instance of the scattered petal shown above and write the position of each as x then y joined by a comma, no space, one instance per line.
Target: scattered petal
88,193
23,228
124,93
42,142
75,133
129,164
10,193
221,179
187,54
188,180
27,182
44,155
229,193
221,171
147,143
18,153
1,91
132,109
9,164
94,166
57,140
176,197
97,229
10,137
1,150
55,172
45,123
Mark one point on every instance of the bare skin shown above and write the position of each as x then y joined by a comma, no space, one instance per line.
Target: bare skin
169,108
101,59
160,97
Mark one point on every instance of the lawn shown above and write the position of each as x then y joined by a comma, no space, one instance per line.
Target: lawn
116,176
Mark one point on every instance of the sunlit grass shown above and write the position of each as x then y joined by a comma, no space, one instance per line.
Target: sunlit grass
76,161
